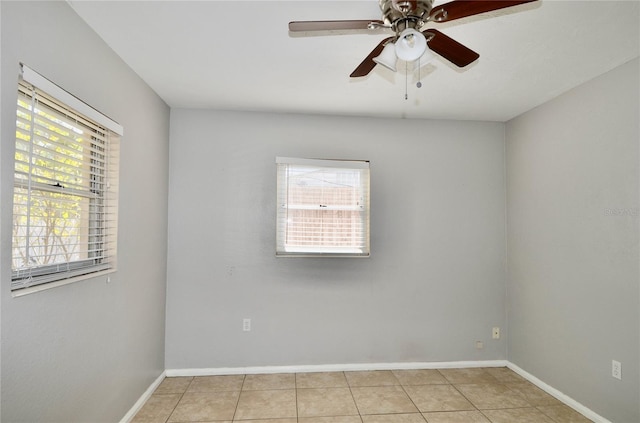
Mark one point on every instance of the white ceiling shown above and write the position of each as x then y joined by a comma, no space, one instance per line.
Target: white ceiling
239,55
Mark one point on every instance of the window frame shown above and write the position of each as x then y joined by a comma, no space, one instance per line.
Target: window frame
98,191
361,168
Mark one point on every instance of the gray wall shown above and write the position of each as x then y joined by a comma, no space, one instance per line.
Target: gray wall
435,281
573,277
86,351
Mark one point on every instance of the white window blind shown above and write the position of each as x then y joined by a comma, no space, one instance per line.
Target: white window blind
65,190
323,207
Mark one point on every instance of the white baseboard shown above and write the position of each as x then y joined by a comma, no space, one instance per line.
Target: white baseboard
588,413
145,396
332,368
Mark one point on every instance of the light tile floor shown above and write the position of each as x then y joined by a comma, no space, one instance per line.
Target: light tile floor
485,395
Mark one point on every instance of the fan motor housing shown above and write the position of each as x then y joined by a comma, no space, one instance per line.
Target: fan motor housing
402,14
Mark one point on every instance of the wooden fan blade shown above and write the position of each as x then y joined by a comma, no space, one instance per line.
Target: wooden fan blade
303,26
368,64
449,48
463,8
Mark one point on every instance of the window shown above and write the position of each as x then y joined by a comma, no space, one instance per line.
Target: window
65,186
323,207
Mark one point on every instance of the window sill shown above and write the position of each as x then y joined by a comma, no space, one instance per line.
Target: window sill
39,288
320,255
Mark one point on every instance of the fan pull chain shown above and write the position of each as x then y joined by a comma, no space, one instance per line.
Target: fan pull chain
406,81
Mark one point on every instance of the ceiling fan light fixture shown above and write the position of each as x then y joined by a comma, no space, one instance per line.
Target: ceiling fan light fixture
387,57
410,45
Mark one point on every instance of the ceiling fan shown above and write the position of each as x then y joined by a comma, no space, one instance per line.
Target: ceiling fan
406,18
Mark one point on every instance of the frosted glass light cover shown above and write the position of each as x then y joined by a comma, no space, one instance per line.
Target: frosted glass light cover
410,45
387,57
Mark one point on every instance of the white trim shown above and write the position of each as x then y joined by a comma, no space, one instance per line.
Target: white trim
587,412
332,368
145,396
70,100
349,164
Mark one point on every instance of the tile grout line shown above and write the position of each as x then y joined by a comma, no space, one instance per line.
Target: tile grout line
233,418
497,382
180,399
464,396
414,404
547,416
295,385
352,397
410,399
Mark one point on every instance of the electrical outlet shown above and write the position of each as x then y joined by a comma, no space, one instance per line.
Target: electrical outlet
496,333
616,369
246,325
